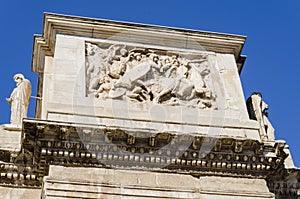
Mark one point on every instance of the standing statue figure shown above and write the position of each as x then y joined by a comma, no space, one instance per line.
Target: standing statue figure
257,110
19,100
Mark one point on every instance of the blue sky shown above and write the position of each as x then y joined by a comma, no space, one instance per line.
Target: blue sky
272,46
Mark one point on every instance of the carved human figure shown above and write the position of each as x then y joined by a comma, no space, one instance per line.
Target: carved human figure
19,100
135,59
146,75
198,75
180,84
269,128
118,65
95,66
106,84
98,62
170,80
136,81
257,110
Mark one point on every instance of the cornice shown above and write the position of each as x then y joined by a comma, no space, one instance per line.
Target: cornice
285,183
47,143
148,34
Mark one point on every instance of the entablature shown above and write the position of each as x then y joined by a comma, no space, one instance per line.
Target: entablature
131,32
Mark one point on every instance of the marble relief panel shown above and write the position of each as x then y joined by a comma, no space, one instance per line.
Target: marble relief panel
148,75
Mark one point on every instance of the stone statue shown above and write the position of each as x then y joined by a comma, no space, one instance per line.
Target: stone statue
257,110
19,100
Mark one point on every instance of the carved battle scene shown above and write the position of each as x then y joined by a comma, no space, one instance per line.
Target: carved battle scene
115,71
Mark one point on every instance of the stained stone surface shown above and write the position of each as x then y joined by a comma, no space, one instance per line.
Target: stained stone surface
19,100
108,183
113,96
70,82
19,193
10,140
67,95
147,74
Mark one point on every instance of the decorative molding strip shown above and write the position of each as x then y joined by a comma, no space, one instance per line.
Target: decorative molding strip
148,34
63,144
47,143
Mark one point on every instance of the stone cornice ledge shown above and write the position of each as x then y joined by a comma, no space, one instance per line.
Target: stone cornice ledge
134,32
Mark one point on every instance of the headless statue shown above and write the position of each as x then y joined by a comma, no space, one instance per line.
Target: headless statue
257,110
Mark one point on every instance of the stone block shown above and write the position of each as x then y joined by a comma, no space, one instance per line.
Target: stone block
108,183
226,62
19,193
10,140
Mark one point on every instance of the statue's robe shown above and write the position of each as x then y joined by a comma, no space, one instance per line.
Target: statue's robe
20,100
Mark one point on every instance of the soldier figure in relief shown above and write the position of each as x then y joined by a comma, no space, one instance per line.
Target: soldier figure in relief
138,74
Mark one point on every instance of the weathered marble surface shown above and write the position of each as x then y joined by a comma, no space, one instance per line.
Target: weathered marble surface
89,76
19,193
123,72
55,24
109,183
183,125
66,94
10,140
130,86
19,100
257,110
